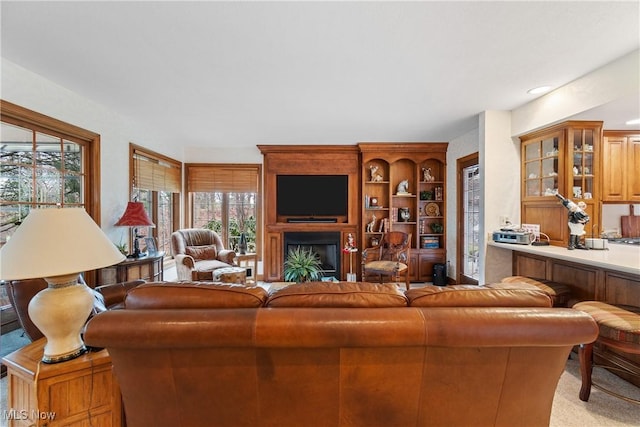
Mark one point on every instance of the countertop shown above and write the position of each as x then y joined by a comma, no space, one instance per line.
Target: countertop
623,258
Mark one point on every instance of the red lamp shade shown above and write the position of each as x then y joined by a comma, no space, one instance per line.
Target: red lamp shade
135,216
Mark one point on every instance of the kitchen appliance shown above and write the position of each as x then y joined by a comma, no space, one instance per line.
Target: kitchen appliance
626,240
592,243
630,224
519,237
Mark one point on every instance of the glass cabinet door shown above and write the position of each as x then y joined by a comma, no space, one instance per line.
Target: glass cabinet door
541,167
583,164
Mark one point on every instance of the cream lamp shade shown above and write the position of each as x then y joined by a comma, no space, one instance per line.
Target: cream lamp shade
58,244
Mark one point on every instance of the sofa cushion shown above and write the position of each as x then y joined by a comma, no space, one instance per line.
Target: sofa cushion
493,295
165,295
202,252
338,294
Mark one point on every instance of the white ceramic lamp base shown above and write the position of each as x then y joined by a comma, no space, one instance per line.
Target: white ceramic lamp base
60,312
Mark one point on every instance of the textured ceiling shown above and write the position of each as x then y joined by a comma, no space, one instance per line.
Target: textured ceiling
247,73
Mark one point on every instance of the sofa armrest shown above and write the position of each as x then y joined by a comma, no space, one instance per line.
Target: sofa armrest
227,255
114,294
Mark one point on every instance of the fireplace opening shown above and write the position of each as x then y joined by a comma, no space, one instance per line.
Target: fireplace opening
325,244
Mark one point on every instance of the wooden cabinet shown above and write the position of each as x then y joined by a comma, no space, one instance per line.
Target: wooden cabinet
620,166
404,189
306,160
562,159
80,392
149,268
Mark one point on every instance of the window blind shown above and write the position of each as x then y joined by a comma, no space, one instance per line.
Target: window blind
208,178
155,174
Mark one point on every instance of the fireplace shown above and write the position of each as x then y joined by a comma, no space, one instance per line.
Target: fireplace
325,244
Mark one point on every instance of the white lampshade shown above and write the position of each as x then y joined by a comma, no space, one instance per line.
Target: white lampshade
55,242
57,245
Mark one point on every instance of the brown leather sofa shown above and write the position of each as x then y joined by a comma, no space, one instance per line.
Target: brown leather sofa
345,354
198,252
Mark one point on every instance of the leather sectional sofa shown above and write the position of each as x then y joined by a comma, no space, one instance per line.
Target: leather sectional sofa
338,354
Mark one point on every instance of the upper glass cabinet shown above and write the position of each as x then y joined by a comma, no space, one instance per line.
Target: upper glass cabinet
541,166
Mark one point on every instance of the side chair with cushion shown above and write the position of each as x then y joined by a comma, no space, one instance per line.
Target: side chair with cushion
389,258
198,252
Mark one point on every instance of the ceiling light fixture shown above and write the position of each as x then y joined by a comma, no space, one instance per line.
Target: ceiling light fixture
538,90
633,122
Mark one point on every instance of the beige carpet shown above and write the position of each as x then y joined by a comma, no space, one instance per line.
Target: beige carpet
602,409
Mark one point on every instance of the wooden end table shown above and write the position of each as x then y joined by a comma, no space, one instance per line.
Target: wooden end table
81,391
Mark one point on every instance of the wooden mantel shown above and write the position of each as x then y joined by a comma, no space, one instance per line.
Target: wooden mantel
306,160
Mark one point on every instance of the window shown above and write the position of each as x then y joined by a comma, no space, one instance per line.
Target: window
468,219
156,182
224,198
44,163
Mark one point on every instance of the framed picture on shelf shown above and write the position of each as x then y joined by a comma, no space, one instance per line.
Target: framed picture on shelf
151,244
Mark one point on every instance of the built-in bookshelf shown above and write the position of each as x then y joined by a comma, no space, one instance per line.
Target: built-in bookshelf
403,189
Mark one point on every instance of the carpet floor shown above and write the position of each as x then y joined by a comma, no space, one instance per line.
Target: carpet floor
568,410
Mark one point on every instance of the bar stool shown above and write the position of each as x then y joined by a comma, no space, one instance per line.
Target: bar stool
619,329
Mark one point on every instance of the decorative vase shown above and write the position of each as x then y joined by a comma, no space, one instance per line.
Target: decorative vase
242,244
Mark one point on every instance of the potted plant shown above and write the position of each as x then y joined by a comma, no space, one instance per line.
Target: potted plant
302,265
122,247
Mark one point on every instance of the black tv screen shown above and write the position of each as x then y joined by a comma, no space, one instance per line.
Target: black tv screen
312,195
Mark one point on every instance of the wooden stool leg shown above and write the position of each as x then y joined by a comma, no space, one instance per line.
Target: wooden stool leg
586,368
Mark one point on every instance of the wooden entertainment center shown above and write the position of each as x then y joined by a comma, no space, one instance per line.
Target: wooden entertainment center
399,161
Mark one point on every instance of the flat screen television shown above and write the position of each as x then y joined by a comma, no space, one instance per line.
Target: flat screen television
312,195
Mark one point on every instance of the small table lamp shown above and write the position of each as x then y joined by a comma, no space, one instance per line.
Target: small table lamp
135,216
57,245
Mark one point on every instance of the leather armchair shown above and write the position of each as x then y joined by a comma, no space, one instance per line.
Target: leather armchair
198,252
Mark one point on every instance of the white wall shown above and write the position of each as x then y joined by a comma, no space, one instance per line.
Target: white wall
222,154
500,168
29,90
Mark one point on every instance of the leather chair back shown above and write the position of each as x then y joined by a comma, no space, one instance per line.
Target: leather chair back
20,293
194,237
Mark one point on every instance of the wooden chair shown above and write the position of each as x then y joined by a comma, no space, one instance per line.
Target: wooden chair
389,258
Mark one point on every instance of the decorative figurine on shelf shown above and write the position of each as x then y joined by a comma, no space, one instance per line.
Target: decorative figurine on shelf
375,175
403,187
577,219
427,177
404,214
350,243
372,224
350,248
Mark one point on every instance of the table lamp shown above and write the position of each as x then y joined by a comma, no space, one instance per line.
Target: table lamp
135,216
58,244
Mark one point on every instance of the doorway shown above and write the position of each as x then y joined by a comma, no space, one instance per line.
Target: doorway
468,245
